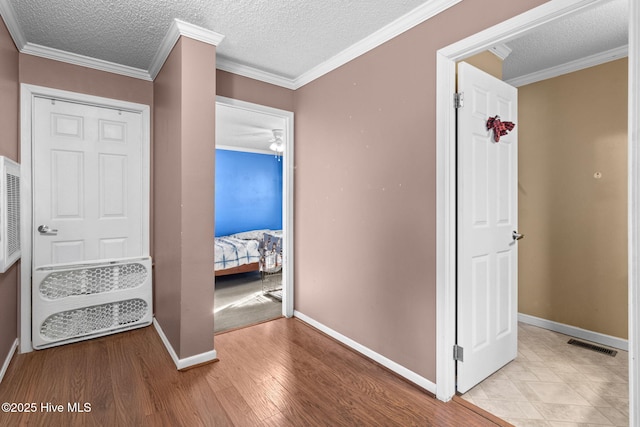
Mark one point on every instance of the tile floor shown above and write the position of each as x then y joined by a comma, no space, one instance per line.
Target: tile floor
552,383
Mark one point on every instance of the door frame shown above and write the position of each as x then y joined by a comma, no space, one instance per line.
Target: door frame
28,93
287,192
446,183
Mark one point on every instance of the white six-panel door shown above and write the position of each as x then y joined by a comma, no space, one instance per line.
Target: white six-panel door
88,185
487,219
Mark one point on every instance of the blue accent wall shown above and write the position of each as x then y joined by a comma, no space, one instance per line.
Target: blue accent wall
248,192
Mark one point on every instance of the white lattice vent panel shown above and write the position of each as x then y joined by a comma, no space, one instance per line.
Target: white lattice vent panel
88,320
93,280
80,301
9,213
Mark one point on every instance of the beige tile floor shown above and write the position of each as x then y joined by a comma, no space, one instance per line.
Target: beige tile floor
552,383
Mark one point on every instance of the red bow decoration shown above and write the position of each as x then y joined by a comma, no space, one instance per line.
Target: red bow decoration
500,128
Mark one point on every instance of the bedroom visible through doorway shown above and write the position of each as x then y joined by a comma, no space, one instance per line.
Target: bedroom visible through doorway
253,151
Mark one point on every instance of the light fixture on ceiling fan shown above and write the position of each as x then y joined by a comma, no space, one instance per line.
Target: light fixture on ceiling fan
277,143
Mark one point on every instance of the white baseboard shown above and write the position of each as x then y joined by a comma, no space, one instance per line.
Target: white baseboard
5,365
576,332
188,361
387,363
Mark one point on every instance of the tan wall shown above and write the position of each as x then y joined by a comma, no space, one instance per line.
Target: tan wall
168,189
573,261
60,75
9,101
198,188
365,195
249,90
184,188
487,62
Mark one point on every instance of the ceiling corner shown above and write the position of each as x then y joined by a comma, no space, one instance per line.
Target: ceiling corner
10,20
180,28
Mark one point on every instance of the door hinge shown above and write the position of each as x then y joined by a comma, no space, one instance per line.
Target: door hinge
458,100
458,353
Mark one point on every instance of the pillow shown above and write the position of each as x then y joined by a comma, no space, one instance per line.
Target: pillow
250,235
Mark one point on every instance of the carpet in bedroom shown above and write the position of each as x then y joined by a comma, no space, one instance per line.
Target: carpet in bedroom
239,302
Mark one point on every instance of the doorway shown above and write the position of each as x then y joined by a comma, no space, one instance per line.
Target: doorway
445,369
569,271
77,219
263,136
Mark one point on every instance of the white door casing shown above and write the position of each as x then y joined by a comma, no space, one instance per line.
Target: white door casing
446,182
287,192
87,183
487,219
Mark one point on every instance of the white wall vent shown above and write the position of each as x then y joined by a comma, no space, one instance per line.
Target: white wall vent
9,213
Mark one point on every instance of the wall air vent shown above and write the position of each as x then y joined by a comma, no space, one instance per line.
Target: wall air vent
9,213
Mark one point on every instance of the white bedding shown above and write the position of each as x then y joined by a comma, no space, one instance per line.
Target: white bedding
231,252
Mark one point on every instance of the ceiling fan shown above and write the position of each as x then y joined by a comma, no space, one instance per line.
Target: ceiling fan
277,143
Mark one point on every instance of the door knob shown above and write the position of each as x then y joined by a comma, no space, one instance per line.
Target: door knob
516,235
44,229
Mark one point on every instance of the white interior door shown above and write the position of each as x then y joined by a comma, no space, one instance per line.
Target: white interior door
487,219
87,183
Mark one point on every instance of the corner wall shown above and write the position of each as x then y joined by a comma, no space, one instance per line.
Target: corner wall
573,261
9,122
184,124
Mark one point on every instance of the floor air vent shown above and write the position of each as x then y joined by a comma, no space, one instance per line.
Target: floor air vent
593,347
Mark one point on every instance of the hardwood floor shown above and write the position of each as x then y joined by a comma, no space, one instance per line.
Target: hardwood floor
279,373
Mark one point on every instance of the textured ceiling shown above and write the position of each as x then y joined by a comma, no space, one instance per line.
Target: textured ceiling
284,37
584,33
239,127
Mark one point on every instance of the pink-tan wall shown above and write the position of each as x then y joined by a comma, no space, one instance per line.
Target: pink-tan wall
185,92
365,195
167,158
250,90
59,75
9,119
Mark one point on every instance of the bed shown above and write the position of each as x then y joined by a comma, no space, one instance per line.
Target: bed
233,255
245,252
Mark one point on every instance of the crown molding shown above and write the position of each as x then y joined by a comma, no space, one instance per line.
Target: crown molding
198,33
571,66
10,20
386,33
9,17
397,27
180,28
501,51
84,61
225,64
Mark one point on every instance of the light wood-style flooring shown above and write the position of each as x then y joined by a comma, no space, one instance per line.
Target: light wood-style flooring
552,383
278,373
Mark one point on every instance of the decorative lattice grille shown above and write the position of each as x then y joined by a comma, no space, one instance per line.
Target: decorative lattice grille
87,320
93,280
13,214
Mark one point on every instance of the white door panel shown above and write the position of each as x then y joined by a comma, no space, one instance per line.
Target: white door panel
487,217
91,273
87,183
